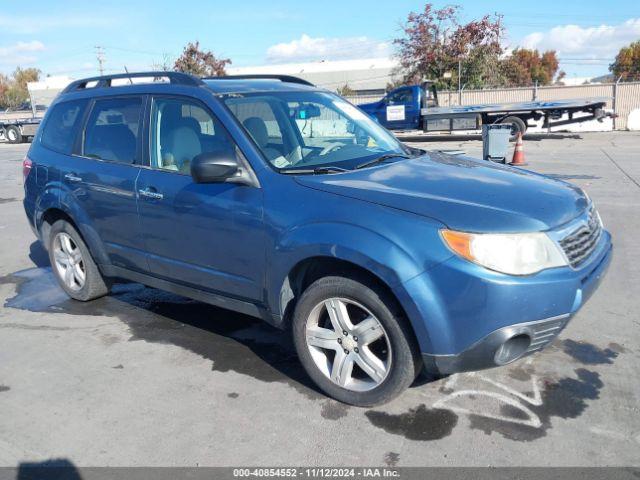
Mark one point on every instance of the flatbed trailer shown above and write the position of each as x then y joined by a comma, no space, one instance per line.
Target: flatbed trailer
18,130
416,107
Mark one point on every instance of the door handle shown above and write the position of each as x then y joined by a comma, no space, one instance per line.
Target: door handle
72,177
149,193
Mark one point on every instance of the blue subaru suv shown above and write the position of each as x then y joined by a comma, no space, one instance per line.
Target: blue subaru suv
280,200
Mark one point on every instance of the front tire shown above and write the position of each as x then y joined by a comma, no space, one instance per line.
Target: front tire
354,341
72,264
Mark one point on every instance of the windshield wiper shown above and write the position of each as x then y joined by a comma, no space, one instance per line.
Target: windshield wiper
381,159
313,171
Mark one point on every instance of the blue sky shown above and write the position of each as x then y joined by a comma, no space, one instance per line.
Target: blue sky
59,37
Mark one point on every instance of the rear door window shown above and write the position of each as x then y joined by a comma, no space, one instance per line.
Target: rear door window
113,129
62,125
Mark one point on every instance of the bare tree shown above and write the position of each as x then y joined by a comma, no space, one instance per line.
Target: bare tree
164,65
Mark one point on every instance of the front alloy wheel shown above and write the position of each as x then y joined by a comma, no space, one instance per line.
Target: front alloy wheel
354,340
348,344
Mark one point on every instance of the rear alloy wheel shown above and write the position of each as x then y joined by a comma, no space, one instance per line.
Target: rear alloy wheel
13,134
354,341
73,265
68,261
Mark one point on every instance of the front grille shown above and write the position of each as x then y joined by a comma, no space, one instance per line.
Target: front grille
579,244
545,332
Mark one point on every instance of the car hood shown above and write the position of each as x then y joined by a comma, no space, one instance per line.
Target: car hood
463,193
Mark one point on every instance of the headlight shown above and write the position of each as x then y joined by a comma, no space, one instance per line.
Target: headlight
514,254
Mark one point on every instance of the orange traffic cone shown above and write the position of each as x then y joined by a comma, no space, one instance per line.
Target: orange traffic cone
518,153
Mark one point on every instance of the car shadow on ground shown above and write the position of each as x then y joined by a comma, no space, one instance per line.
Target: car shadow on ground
232,341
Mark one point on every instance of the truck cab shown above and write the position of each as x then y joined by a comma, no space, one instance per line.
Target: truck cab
400,109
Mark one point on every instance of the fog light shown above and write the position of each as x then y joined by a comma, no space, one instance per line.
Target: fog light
512,349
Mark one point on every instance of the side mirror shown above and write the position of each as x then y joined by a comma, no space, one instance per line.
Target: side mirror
212,167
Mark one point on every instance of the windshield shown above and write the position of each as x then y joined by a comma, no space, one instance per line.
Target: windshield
311,130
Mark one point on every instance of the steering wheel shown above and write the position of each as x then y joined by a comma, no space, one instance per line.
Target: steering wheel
331,148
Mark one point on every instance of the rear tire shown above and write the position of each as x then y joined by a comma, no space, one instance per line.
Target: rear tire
13,134
517,126
72,264
388,337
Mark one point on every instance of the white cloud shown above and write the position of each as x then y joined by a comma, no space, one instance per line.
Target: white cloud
20,47
20,53
574,41
308,48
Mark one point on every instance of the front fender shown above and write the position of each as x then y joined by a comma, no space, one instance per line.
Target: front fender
362,247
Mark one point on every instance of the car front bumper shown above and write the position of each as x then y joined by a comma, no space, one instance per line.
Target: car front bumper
500,347
469,318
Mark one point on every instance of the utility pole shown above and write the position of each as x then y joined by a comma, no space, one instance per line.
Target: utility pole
100,57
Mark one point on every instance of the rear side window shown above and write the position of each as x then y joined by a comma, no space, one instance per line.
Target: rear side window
61,127
112,130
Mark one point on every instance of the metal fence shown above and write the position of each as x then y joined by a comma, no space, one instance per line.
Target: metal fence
621,97
358,99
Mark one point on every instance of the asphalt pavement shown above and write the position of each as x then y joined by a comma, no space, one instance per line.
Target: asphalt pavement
146,378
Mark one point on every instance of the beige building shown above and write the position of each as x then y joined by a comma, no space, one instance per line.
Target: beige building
364,76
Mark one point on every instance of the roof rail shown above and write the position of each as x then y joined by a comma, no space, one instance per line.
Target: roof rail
282,78
103,81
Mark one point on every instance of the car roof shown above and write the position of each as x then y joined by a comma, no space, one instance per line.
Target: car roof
153,82
252,85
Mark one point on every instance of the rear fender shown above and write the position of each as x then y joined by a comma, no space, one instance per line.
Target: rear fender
60,197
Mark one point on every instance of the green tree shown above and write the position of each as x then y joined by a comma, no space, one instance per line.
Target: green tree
13,91
525,67
4,85
202,63
345,90
22,76
626,66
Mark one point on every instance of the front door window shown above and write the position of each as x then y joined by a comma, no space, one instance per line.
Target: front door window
182,130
